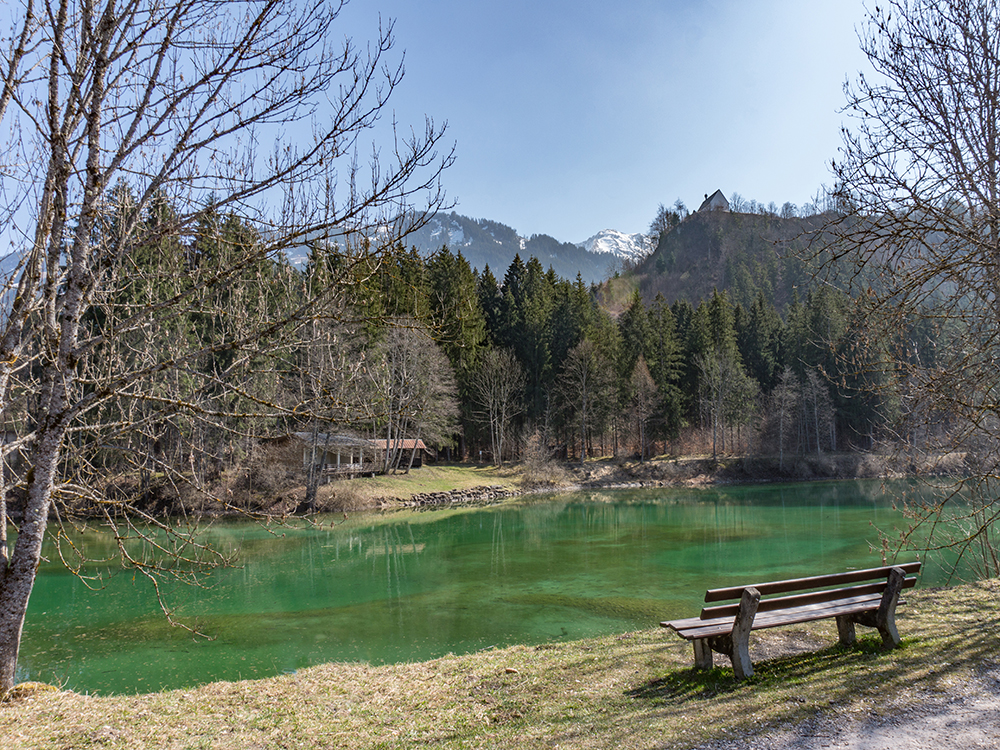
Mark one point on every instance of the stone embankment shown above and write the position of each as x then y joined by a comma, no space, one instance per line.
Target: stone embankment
471,495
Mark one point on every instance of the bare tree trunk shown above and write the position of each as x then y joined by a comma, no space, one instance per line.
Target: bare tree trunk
18,578
413,452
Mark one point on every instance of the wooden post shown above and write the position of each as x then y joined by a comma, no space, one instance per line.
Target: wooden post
845,629
885,618
741,633
702,654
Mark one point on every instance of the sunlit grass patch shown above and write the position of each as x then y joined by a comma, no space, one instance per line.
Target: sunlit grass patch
429,478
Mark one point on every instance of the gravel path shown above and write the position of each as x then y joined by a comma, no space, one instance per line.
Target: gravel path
965,718
967,722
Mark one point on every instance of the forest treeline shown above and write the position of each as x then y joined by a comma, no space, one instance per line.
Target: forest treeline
478,366
666,377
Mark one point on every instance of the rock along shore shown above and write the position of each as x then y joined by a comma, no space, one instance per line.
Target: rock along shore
472,495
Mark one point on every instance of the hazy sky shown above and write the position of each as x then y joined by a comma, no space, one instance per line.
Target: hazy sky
572,116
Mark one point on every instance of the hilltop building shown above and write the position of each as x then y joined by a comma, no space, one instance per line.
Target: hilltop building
714,202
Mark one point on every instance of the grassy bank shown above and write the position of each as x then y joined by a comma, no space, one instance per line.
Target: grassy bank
276,492
368,492
371,492
634,690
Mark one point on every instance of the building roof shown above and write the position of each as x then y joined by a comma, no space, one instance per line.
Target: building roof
715,202
407,444
333,441
350,441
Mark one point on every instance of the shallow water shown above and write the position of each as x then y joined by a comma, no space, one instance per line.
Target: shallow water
416,585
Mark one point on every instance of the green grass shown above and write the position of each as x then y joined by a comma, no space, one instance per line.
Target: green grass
435,478
634,690
367,492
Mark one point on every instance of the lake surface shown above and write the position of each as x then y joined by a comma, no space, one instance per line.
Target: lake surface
416,585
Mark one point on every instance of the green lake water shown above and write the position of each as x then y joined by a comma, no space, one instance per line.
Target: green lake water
416,585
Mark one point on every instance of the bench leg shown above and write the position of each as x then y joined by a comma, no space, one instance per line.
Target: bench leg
885,618
845,629
702,654
742,626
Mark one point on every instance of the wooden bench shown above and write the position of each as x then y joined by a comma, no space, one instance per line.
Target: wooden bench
726,628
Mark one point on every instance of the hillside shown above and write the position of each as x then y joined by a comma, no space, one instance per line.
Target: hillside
736,252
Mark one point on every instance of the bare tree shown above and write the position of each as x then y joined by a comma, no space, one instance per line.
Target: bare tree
498,389
418,397
585,379
332,389
919,175
817,414
789,210
663,222
727,394
175,98
645,397
784,405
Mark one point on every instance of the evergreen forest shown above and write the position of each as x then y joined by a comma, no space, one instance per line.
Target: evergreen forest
478,365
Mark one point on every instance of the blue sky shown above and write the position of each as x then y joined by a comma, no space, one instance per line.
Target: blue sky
574,116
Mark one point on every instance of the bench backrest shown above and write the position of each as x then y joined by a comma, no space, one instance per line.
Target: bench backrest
830,587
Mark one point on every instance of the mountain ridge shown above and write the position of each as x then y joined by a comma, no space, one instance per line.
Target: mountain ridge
485,242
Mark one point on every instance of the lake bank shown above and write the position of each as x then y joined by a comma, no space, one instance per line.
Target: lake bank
466,482
633,690
615,473
166,497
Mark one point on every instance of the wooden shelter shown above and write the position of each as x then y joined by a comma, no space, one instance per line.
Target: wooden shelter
337,454
344,455
406,446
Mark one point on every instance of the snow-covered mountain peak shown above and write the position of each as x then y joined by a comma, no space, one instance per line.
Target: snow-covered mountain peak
618,244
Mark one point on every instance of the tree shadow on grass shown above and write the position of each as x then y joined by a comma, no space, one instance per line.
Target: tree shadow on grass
697,683
835,673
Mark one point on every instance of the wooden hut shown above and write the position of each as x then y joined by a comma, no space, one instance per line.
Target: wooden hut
407,447
336,455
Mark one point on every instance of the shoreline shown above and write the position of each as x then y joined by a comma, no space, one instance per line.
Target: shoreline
688,471
457,483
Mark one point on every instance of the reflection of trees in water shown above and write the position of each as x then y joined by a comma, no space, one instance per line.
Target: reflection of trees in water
765,524
389,547
539,519
498,553
615,523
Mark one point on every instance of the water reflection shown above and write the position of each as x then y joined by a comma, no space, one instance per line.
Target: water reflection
420,584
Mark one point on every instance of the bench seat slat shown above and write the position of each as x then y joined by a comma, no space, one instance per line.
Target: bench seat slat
798,584
813,597
692,628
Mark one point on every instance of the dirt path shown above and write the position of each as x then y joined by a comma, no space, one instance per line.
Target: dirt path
965,722
967,717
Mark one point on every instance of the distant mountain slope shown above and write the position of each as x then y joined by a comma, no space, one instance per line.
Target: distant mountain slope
484,242
737,252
